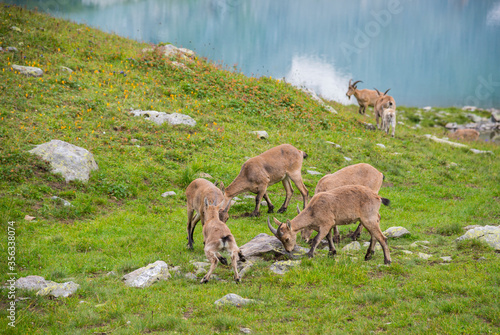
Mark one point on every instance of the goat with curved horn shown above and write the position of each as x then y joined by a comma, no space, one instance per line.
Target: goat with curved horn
364,97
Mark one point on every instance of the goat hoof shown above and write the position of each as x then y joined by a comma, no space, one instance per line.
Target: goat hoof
282,210
332,253
310,255
204,281
237,280
255,214
223,260
336,240
270,210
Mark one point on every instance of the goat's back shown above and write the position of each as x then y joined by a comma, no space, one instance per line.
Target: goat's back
358,174
199,189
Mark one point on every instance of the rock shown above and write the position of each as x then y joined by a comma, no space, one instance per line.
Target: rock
245,330
66,203
262,134
424,256
435,139
408,252
33,283
368,126
176,270
446,258
281,267
263,244
488,234
190,276
16,29
134,140
171,50
353,246
476,151
234,300
495,116
427,108
67,69
12,49
200,264
381,145
474,117
348,159
161,117
314,172
377,245
74,163
147,275
334,144
59,290
396,232
168,193
416,244
29,218
243,267
28,70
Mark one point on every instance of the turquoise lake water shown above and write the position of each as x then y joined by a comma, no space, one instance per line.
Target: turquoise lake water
429,52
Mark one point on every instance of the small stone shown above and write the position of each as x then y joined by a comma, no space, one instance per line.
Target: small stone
446,258
190,276
476,151
200,271
59,290
66,203
262,134
16,29
12,49
146,276
427,108
234,300
29,218
396,232
481,259
281,267
245,330
408,252
28,70
312,172
348,159
381,145
168,194
200,264
353,246
424,256
134,140
334,144
67,69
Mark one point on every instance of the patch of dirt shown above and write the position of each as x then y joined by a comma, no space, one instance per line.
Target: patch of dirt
188,313
472,186
387,184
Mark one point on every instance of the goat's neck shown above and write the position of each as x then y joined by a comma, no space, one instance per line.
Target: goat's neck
235,188
301,221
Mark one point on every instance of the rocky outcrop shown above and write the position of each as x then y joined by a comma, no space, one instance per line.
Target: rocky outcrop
161,117
147,275
28,70
73,162
488,234
263,244
46,287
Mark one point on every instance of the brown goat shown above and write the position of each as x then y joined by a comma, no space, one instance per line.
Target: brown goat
357,174
365,97
282,163
341,206
198,190
217,237
384,101
464,135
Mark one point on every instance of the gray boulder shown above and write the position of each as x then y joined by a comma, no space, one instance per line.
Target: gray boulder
232,299
353,246
488,234
33,283
147,275
59,290
396,232
281,267
161,117
263,244
262,134
73,162
28,70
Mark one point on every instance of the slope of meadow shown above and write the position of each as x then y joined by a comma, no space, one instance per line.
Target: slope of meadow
119,222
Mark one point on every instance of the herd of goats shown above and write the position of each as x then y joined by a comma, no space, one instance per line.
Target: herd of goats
344,197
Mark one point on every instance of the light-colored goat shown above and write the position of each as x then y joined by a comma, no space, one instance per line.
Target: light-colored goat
384,101
365,96
464,135
341,206
389,121
217,237
198,190
282,163
357,174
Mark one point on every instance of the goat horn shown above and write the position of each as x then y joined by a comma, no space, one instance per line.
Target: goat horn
273,230
357,81
227,205
298,209
378,91
350,82
387,91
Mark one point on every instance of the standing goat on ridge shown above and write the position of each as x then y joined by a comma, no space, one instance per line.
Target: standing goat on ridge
365,97
383,102
341,206
217,237
198,190
357,174
282,163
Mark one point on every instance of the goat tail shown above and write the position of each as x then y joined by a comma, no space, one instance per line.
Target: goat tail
386,201
304,155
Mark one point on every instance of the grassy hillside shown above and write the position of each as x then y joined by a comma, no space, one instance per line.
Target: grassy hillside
119,221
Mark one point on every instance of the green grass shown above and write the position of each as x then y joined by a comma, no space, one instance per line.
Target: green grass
119,222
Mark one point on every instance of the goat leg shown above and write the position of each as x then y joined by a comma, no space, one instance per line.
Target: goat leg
270,206
332,252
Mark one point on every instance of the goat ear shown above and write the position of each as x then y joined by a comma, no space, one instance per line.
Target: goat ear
289,224
298,209
206,202
221,187
216,182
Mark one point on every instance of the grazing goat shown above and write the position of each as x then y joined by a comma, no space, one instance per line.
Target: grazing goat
217,237
465,135
389,120
365,97
198,190
384,101
282,163
357,174
344,205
